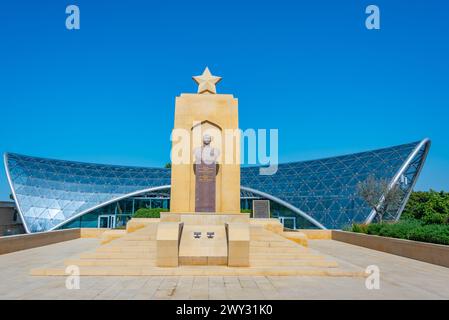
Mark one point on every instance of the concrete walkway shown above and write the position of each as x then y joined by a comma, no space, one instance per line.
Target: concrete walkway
400,278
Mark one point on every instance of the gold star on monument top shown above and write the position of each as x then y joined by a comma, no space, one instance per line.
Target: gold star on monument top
206,82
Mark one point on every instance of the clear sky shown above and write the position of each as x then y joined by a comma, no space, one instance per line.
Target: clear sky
105,93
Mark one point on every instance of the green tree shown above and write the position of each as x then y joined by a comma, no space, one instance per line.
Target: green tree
167,165
378,194
431,207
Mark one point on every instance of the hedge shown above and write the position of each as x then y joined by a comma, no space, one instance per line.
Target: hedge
155,212
149,212
410,229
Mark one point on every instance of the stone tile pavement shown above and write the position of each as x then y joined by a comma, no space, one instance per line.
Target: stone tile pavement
400,278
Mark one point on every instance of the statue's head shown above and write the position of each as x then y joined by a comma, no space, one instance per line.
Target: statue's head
207,139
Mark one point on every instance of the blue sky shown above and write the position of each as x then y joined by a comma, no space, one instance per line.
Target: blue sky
105,93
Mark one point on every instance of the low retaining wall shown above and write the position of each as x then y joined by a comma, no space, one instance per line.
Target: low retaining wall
27,241
428,252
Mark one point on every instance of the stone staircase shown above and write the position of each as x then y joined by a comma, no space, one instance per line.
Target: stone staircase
136,249
134,254
268,249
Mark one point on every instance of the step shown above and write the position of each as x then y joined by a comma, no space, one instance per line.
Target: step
277,244
111,262
289,256
277,249
132,237
126,249
299,263
149,244
202,271
134,255
118,255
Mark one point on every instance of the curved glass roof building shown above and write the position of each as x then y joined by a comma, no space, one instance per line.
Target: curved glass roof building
52,194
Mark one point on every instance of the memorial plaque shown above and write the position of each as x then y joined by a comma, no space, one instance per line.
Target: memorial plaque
261,209
205,187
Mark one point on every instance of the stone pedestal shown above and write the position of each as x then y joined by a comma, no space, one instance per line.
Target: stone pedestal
203,245
205,239
238,244
214,114
167,244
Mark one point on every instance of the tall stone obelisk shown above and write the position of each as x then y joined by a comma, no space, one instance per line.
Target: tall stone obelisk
206,113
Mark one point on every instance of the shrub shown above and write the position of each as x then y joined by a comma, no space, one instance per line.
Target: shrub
247,211
411,229
431,233
398,230
374,228
149,212
360,228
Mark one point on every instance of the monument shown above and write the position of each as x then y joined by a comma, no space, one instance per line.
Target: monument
207,113
204,225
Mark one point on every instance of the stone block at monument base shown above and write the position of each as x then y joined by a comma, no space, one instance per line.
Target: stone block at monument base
201,218
206,238
167,244
238,244
203,245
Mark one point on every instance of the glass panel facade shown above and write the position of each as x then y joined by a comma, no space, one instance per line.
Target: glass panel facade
52,194
121,210
325,189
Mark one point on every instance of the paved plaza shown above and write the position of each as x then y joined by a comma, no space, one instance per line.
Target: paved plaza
400,278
